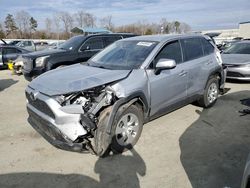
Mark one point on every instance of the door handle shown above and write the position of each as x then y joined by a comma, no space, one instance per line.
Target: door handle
183,73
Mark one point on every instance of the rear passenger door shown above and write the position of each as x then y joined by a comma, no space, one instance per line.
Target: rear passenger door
198,65
90,47
168,89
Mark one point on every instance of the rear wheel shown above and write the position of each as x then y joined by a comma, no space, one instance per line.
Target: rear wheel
210,94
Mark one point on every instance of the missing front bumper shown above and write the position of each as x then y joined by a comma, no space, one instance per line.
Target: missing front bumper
54,136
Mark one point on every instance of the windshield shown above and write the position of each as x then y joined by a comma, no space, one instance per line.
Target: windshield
72,44
238,48
123,55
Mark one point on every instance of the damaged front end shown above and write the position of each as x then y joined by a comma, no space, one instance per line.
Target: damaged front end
68,121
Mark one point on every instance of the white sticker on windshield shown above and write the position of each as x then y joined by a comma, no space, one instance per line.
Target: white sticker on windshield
144,44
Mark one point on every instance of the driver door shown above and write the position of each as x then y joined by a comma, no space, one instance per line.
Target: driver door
89,48
168,89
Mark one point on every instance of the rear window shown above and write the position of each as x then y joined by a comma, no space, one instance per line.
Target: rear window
192,48
207,47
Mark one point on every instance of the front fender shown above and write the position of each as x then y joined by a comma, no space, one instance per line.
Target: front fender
124,103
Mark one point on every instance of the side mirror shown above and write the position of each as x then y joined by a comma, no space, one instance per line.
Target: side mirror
164,64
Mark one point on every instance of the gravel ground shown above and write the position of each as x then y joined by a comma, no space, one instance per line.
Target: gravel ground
191,147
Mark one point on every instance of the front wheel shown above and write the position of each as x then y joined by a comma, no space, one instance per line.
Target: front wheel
210,94
127,129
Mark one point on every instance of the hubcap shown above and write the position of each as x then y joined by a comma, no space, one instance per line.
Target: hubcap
212,93
127,129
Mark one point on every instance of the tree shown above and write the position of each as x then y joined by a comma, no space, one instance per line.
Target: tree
33,25
2,34
106,22
79,16
148,32
22,19
184,28
177,26
66,20
89,20
10,24
48,24
56,21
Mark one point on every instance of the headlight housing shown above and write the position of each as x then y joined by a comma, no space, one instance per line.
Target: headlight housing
40,61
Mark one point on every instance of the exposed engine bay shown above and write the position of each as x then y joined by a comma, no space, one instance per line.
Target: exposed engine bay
89,104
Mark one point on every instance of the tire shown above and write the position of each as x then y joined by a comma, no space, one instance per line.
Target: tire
130,135
125,131
211,93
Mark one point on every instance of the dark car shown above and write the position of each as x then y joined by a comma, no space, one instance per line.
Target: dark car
9,52
75,50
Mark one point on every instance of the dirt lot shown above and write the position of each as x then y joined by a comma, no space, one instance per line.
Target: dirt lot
190,147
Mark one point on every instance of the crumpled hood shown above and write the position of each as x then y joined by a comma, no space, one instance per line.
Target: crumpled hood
44,53
236,59
75,78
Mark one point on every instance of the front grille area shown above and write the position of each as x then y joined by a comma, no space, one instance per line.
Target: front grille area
45,127
234,74
40,105
27,64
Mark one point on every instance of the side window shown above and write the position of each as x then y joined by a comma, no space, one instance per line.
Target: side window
171,50
192,48
9,51
29,43
207,47
93,44
110,40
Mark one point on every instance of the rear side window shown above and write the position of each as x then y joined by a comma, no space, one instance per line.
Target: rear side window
93,44
10,51
207,47
171,50
110,40
192,48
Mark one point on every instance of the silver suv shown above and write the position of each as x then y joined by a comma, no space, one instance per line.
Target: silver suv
101,106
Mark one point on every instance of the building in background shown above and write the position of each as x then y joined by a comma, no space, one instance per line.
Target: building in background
244,30
231,34
89,30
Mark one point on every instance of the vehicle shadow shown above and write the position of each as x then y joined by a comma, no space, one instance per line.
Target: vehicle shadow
115,171
214,148
5,83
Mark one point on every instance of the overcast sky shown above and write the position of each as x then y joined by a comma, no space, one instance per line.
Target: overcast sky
199,14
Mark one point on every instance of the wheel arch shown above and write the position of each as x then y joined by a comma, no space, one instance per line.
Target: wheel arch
136,98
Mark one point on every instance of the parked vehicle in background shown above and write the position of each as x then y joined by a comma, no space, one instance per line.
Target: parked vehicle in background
55,45
14,42
41,45
102,105
9,52
237,60
75,50
27,44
